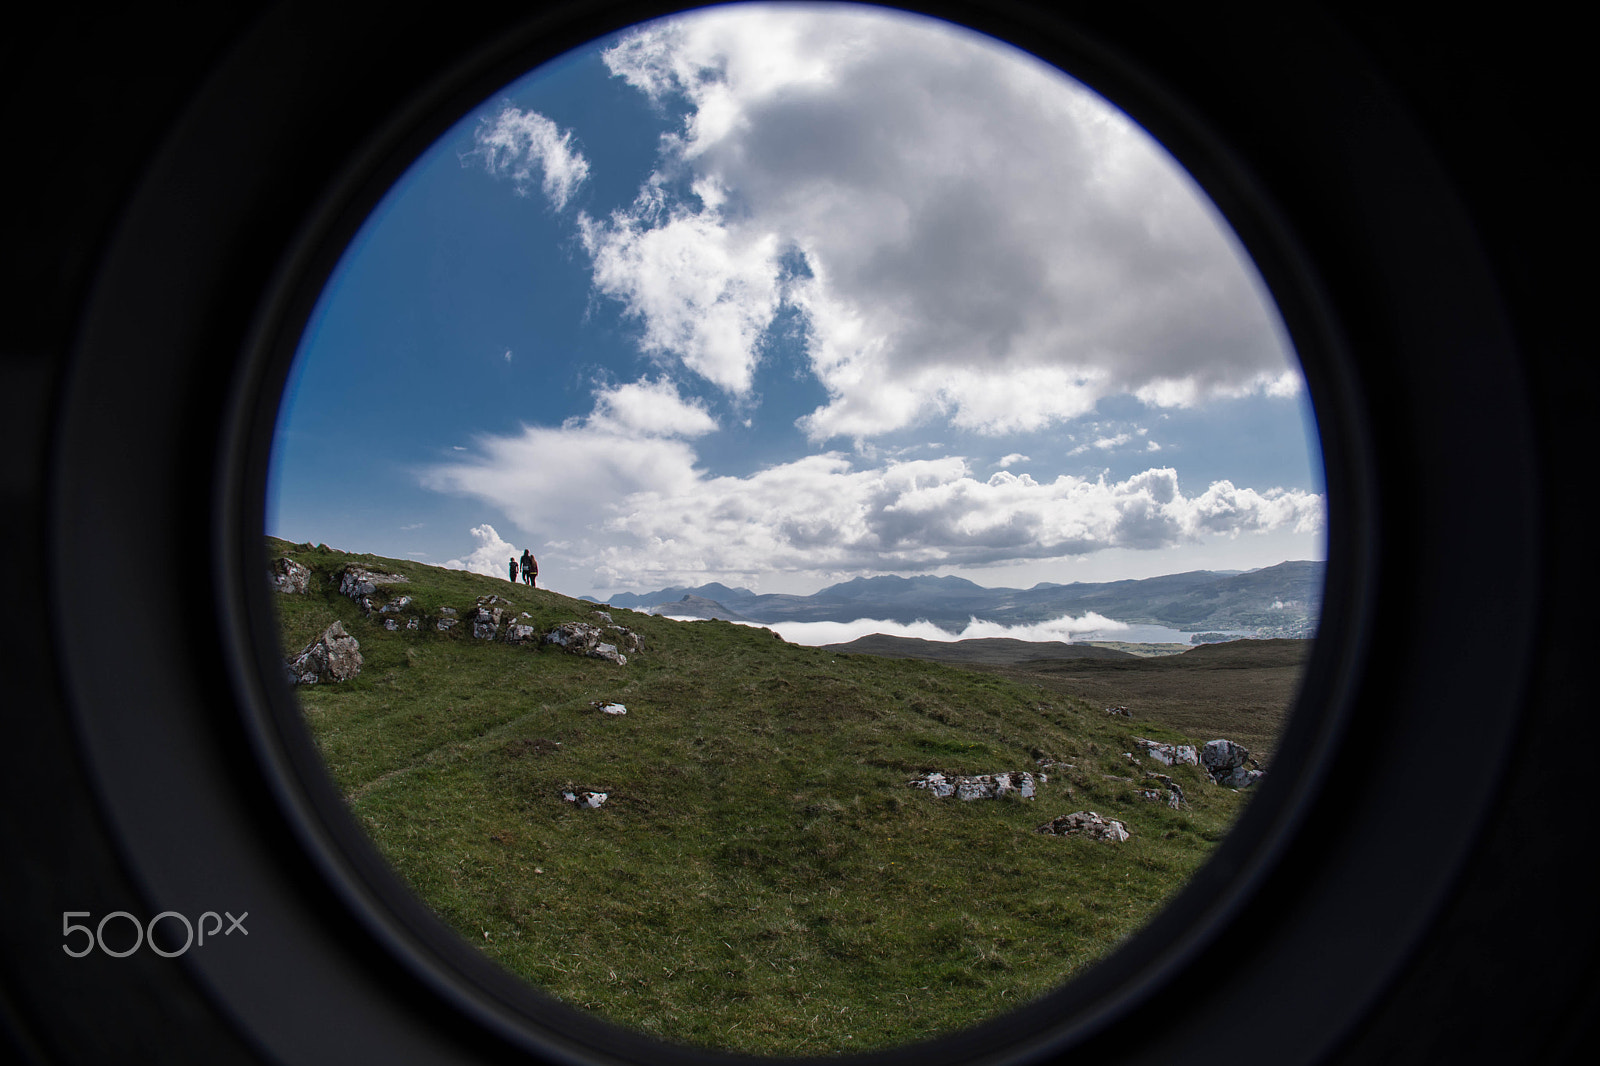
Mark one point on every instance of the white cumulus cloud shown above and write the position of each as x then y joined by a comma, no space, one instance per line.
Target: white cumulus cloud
489,557
649,409
526,147
646,516
986,241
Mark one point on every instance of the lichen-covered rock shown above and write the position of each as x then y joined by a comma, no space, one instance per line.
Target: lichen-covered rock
1225,762
1118,712
333,656
395,606
361,585
517,633
978,786
1169,792
1240,778
485,622
289,577
1169,754
1086,823
607,707
581,638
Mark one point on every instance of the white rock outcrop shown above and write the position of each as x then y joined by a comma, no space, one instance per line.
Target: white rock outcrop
1169,754
1225,761
1086,823
288,576
979,786
581,638
333,656
361,585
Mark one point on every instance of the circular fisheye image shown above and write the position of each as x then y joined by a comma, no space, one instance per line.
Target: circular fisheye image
798,528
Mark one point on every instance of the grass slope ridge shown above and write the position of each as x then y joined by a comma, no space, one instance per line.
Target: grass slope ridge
762,879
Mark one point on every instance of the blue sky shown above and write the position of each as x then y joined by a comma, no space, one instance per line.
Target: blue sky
783,296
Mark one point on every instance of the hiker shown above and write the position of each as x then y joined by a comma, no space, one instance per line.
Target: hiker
532,569
513,569
527,556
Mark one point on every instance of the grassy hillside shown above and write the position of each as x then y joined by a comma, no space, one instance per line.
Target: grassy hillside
1240,690
762,878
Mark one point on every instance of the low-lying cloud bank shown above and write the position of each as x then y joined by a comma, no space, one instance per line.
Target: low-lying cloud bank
1066,628
644,513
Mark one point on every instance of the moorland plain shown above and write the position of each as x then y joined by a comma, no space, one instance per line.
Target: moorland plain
761,877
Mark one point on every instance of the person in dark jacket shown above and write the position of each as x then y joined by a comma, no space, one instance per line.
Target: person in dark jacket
513,569
530,569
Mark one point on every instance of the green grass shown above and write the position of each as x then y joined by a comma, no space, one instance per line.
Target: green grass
762,878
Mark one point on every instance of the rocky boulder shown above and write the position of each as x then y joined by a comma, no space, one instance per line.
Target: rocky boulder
362,585
288,576
1169,754
978,786
581,638
333,656
1225,762
585,798
1086,823
485,622
1169,792
518,633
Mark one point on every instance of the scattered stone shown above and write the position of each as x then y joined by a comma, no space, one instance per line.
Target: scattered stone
517,633
604,616
1169,754
606,707
445,624
1118,712
1225,762
978,786
289,577
493,601
485,622
362,585
581,638
333,656
395,606
448,612
390,624
1170,791
412,623
1086,823
585,798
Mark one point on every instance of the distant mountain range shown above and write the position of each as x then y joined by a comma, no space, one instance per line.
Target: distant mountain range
1276,601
